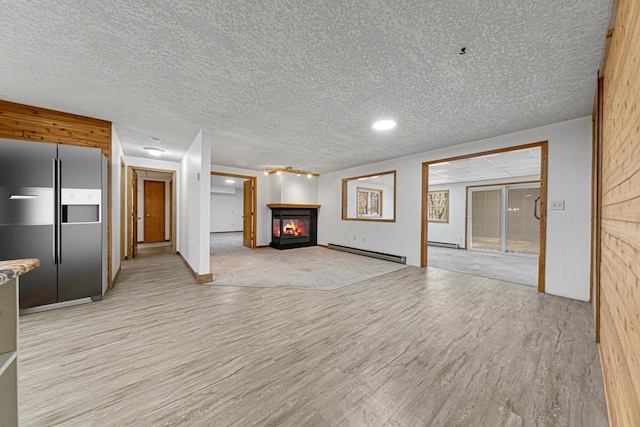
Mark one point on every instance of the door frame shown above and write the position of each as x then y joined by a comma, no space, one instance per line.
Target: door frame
254,180
123,210
544,169
132,214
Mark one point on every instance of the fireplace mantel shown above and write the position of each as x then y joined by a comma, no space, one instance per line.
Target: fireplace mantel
291,206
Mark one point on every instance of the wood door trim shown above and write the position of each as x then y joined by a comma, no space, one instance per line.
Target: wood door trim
596,231
123,209
254,180
129,212
424,229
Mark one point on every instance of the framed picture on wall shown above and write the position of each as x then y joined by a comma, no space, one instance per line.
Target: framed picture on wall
438,206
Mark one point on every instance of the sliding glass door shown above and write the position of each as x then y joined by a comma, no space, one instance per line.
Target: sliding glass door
486,212
504,218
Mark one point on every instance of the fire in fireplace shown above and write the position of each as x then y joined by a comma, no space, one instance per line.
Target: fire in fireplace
293,227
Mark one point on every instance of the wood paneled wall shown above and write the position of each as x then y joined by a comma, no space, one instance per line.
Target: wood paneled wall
18,121
620,232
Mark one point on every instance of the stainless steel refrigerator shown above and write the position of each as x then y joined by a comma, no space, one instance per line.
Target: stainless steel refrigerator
51,208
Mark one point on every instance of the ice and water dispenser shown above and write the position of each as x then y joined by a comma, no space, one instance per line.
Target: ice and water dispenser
80,205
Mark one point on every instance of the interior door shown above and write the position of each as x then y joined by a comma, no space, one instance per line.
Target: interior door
247,214
154,208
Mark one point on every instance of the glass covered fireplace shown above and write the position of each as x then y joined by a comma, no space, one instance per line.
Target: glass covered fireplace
293,227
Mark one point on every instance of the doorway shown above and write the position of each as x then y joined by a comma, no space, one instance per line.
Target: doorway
151,210
233,220
494,203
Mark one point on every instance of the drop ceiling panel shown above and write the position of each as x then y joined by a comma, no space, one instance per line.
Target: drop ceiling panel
507,165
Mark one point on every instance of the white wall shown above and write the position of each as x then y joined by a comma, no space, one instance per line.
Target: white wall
167,208
568,231
263,214
453,231
116,154
226,210
297,189
194,205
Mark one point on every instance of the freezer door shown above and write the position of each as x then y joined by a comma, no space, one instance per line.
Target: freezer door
27,215
26,163
39,287
80,264
81,167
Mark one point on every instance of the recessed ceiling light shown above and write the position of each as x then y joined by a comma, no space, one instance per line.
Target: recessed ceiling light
156,139
384,124
229,181
154,151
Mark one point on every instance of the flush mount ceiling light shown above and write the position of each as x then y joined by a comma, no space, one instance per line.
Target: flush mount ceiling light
154,151
229,181
384,124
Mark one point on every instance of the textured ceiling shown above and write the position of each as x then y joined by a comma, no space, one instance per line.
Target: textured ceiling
298,83
507,165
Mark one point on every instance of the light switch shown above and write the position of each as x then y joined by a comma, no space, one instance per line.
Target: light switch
557,205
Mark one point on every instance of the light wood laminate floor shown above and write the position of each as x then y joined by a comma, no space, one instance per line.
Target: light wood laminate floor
414,347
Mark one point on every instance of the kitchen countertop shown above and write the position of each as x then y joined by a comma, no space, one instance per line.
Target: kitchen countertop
13,268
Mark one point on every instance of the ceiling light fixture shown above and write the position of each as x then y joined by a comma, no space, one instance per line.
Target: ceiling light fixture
309,175
384,124
229,181
266,172
278,173
154,151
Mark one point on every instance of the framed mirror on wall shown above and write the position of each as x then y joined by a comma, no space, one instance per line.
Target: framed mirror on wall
370,197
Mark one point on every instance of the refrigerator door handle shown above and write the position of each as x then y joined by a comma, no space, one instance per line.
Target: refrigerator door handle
59,209
55,212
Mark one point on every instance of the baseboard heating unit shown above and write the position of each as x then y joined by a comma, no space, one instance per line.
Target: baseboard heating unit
444,245
387,257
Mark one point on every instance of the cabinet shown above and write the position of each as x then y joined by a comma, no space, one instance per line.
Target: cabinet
9,352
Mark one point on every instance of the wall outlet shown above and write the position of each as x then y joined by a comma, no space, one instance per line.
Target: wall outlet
557,205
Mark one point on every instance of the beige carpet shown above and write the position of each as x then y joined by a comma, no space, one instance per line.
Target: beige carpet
315,267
